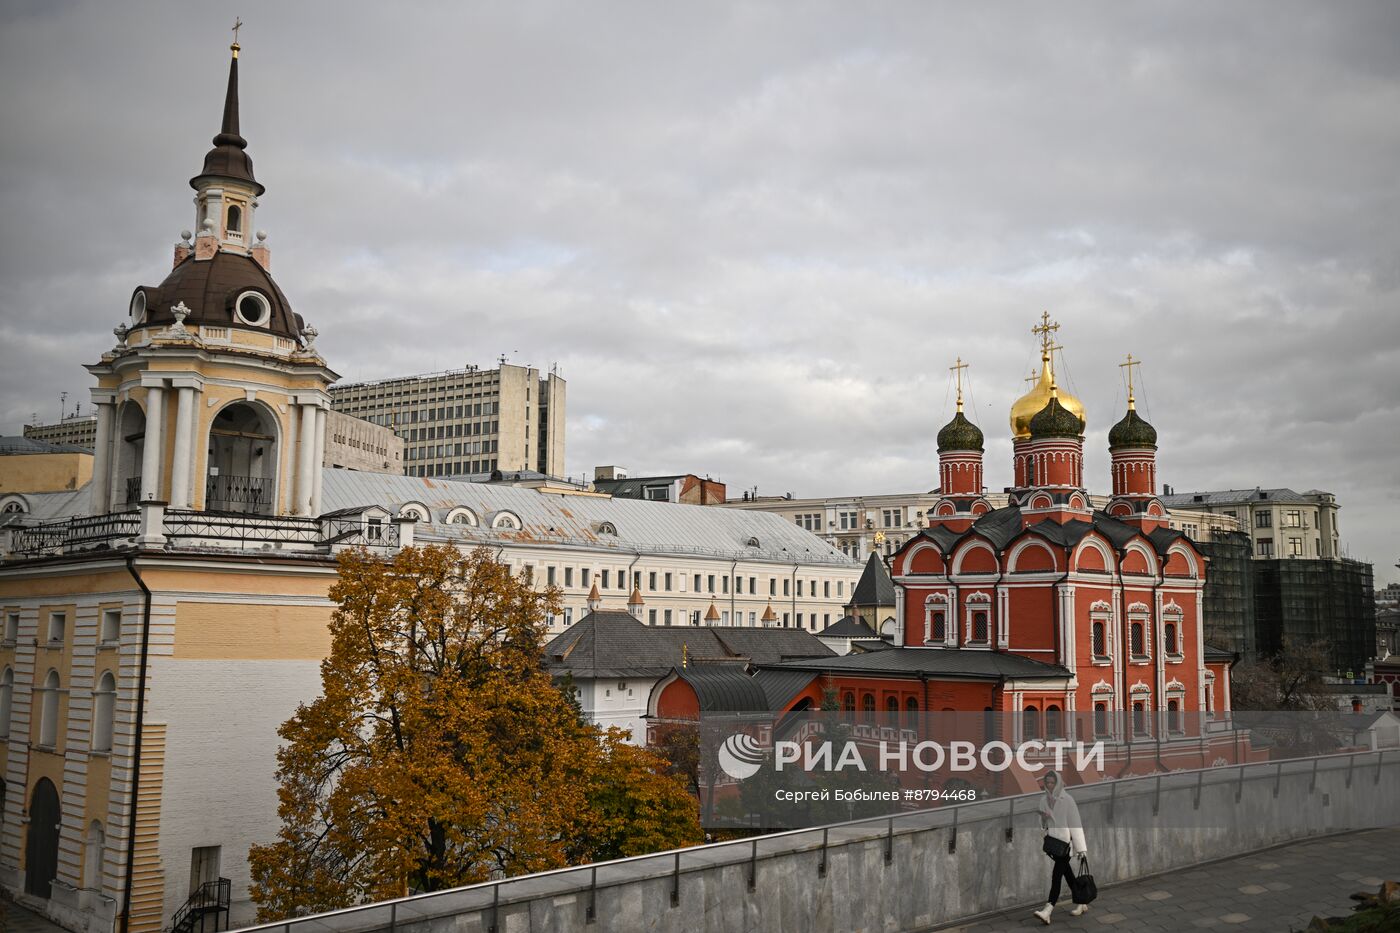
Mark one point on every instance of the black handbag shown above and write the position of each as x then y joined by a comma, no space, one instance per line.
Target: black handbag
1084,890
1055,848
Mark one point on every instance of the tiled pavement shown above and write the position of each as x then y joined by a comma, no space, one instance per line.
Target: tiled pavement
1277,891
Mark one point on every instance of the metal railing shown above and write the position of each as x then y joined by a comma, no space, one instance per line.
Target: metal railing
190,529
133,490
90,532
486,899
228,492
210,898
186,526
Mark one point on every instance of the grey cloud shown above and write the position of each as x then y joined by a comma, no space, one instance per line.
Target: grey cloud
754,236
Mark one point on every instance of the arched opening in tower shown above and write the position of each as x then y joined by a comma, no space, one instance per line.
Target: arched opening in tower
130,445
242,461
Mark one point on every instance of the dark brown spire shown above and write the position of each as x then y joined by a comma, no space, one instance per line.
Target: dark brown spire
227,159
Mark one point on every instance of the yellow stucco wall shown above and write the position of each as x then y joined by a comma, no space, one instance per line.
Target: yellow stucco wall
226,631
44,472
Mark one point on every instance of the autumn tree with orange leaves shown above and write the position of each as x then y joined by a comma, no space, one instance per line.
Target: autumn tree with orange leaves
440,752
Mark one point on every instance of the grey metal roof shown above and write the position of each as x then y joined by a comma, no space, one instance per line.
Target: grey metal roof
724,688
936,662
848,627
779,686
1185,500
1212,653
612,643
875,587
1004,525
572,520
51,506
771,645
16,445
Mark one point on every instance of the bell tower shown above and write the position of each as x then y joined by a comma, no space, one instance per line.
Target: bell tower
1132,447
960,449
214,397
1048,447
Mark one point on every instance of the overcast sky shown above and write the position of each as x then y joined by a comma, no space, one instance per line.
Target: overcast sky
753,237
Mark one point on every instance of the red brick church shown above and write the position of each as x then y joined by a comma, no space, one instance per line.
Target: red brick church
1068,620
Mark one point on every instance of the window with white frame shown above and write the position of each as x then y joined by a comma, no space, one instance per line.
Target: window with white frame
1174,718
979,615
1171,637
48,711
58,626
111,626
936,620
11,626
1137,640
104,708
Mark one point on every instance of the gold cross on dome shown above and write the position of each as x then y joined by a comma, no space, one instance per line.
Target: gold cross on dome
1045,331
1129,367
957,371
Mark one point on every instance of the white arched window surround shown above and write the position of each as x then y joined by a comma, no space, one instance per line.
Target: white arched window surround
977,602
968,549
461,515
915,551
936,602
416,511
1137,621
104,711
1146,553
1023,546
1187,556
1101,613
511,521
48,711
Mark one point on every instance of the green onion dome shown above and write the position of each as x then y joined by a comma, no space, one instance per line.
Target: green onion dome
959,434
1055,420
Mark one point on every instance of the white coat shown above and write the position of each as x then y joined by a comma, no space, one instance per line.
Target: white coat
1060,814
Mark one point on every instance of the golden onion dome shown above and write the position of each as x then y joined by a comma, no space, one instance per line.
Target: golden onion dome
1030,404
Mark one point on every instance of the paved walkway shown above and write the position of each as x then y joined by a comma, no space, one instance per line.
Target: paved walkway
16,919
1277,891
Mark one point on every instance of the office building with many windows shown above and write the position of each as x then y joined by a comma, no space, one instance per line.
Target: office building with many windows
466,421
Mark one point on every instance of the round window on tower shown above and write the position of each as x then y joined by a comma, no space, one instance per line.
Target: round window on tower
253,309
138,307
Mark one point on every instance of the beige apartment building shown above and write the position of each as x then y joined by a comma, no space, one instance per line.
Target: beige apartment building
1280,522
858,525
467,421
78,430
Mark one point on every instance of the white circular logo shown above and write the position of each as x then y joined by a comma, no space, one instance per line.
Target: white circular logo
740,756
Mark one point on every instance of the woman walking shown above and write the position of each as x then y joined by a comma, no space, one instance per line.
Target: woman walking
1064,834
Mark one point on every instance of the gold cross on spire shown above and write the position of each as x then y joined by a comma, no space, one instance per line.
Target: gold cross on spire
237,25
1132,402
1031,379
1045,330
957,372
